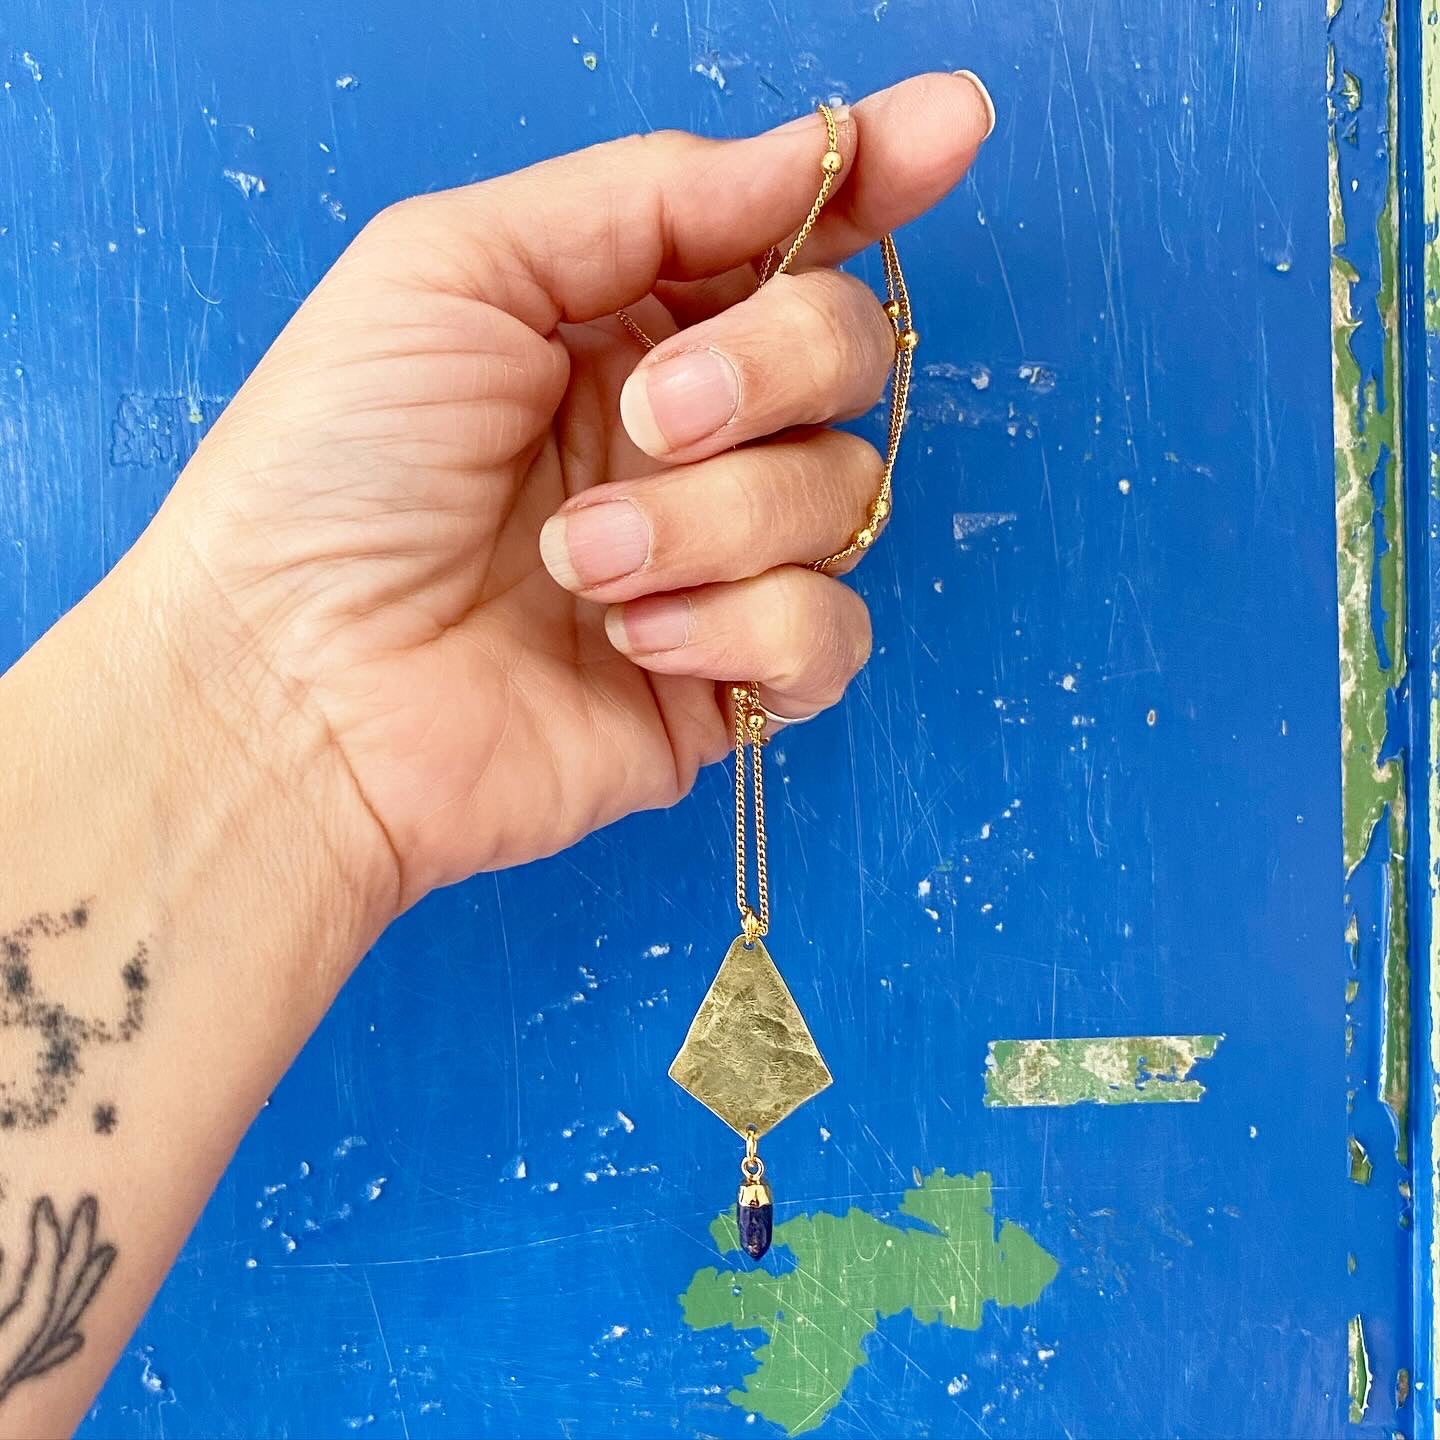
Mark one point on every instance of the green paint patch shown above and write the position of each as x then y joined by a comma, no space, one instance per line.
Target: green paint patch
852,1271
1395,1015
1359,1367
1103,1070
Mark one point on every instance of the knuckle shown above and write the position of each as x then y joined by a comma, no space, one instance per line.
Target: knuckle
397,221
858,461
820,308
656,152
825,637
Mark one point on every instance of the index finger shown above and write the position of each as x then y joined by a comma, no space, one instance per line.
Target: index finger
578,237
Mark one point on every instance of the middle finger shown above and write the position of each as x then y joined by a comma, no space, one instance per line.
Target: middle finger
803,350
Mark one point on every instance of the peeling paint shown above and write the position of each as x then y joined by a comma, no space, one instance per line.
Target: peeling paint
1430,140
1370,569
1359,1366
1360,1166
1104,1070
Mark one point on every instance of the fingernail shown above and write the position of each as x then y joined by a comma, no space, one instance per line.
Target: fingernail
679,400
645,627
595,543
985,99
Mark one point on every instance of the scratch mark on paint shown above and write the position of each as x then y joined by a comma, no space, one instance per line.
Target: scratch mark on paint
1104,1070
1359,1364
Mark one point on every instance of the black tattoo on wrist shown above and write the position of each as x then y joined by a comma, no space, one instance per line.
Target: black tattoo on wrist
63,1035
63,1270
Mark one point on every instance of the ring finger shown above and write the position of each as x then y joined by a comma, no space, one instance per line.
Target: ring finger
725,518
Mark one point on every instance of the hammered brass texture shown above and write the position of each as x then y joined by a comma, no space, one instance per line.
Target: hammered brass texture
749,1055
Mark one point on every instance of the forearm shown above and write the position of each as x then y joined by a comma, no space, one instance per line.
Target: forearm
189,876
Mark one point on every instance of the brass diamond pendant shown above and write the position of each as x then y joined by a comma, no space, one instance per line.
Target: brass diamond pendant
749,1055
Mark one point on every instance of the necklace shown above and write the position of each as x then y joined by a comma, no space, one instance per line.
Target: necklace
749,1056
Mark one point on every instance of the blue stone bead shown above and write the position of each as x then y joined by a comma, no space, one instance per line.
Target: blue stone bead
756,1224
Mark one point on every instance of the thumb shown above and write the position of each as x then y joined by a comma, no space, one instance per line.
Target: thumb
583,235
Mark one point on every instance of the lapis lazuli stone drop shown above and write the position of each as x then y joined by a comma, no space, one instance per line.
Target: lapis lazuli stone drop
755,1218
757,1228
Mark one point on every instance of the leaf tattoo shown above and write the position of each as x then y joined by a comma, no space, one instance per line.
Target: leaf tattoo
63,1271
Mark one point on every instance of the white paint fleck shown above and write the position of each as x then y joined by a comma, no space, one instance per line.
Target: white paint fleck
626,1122
334,207
1254,1131
923,888
980,377
376,1188
349,1143
985,831
347,82
965,524
824,1136
589,59
246,183
252,1263
32,65
712,72
617,1332
553,1186
148,1378
657,950
957,1385
517,1169
304,1169
1124,486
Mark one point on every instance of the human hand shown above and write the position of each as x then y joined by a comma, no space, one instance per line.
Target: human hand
359,539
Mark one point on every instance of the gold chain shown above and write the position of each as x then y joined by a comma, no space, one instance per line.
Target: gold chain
750,717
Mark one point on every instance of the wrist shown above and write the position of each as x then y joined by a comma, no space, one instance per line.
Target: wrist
192,766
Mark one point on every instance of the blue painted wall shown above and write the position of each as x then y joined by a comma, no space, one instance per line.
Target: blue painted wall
1089,784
